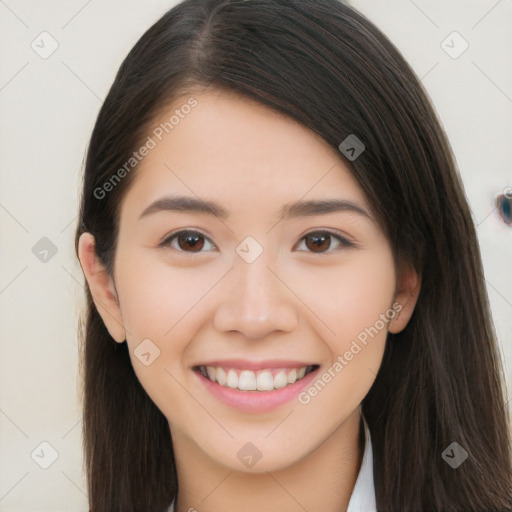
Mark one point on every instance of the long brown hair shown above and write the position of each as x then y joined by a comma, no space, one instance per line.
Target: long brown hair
325,65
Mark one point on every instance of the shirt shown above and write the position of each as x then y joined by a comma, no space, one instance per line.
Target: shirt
363,495
362,498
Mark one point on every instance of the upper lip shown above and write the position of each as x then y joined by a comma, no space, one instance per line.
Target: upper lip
244,364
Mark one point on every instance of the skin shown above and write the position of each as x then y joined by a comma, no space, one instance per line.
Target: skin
293,301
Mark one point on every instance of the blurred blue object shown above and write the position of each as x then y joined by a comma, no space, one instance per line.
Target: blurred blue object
504,206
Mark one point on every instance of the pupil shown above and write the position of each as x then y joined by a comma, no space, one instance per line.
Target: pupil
320,242
191,240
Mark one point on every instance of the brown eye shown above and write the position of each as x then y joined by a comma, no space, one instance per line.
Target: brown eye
186,241
318,242
191,241
321,241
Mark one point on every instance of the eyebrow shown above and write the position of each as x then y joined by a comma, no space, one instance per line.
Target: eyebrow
288,211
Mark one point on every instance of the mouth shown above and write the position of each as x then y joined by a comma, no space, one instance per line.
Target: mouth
256,381
255,388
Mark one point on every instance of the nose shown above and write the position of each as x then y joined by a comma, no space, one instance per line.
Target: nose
255,301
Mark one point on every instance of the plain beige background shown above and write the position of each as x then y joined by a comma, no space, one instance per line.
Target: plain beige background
48,105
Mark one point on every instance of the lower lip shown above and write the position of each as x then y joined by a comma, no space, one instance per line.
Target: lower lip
256,401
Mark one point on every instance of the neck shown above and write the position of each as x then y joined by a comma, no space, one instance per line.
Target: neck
322,480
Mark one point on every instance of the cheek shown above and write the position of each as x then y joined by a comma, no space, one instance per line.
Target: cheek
157,297
356,310
357,314
156,305
353,295
164,305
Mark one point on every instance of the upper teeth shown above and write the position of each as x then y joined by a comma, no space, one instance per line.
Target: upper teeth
247,380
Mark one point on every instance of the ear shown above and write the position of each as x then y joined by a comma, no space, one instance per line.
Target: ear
102,287
406,295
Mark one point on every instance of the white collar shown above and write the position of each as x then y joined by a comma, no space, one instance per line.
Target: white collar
363,495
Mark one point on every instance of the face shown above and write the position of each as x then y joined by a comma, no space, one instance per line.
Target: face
253,312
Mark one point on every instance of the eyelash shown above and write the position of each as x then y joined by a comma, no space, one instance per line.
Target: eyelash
343,242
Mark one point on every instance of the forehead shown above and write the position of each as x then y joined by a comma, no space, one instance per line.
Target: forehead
238,151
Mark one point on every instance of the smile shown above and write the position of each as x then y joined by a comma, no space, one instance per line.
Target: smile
268,379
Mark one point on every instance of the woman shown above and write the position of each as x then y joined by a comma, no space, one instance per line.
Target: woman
286,303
